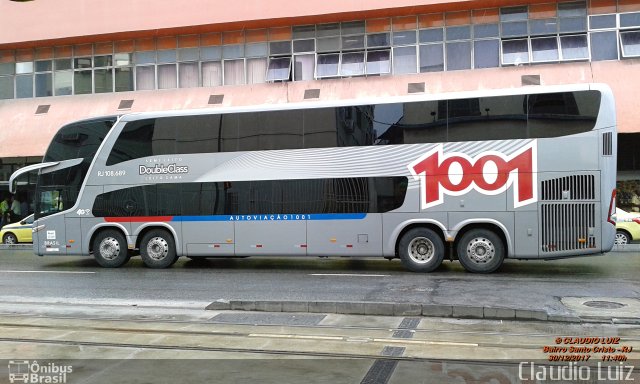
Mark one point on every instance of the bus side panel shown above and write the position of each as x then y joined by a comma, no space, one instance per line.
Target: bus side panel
350,237
208,238
265,237
73,244
525,236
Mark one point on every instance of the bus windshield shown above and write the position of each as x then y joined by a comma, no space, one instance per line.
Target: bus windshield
58,189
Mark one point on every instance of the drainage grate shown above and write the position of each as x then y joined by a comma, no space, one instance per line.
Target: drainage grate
604,304
393,351
406,329
267,319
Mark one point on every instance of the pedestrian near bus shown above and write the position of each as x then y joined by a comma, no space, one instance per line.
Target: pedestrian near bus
16,212
4,210
24,205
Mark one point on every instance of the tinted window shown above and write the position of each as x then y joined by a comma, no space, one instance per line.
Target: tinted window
59,190
409,123
135,141
78,140
319,131
349,195
487,118
484,118
270,130
561,114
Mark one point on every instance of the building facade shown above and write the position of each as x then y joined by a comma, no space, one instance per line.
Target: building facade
65,60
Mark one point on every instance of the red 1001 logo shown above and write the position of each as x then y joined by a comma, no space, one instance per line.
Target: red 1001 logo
489,173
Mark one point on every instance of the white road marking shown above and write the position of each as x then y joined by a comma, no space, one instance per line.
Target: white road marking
346,275
285,336
76,272
362,340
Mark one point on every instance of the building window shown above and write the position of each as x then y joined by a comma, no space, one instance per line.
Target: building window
404,60
145,77
63,83
211,74
574,47
378,62
544,49
328,65
304,67
515,52
630,42
279,69
234,72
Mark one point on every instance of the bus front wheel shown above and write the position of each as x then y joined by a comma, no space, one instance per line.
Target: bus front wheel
110,249
158,249
421,250
480,251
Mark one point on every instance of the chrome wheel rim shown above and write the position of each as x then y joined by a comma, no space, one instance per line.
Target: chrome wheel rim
621,239
157,248
421,250
109,248
481,250
10,239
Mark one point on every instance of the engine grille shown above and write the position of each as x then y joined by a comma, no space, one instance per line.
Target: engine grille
567,226
575,187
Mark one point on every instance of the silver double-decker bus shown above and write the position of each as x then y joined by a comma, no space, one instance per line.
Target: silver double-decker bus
523,173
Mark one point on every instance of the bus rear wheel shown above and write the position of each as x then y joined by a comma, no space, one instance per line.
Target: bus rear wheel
158,249
110,249
421,250
481,251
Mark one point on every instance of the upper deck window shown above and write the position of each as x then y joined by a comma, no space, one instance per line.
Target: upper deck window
78,140
470,119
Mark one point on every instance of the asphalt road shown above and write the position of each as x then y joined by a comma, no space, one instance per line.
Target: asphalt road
536,285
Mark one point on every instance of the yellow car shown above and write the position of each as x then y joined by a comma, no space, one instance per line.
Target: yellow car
19,232
627,227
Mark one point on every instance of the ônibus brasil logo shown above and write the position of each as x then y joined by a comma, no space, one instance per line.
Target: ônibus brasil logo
489,173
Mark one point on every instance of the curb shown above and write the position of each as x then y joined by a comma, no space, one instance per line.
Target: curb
390,309
635,247
16,246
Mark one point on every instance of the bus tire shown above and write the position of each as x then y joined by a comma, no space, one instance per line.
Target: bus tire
481,251
158,249
110,249
421,250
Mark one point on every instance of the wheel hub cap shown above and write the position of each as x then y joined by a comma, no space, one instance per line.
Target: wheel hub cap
421,250
109,248
481,250
157,248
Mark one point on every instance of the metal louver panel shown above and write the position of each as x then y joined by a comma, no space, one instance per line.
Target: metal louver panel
576,187
567,226
607,144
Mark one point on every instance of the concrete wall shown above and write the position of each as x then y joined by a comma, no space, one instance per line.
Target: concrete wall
58,19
